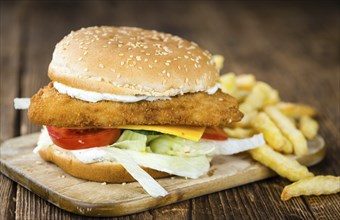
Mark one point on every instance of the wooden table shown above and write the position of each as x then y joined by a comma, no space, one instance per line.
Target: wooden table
294,47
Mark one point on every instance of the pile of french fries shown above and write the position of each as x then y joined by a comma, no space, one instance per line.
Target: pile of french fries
286,128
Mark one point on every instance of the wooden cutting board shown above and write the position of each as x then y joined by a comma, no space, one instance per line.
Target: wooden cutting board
19,163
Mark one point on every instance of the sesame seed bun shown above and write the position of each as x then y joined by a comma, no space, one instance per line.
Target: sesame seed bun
110,172
131,61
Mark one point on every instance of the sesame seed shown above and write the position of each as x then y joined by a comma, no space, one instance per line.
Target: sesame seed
122,63
167,64
168,75
150,66
101,65
80,58
85,52
138,58
86,69
121,54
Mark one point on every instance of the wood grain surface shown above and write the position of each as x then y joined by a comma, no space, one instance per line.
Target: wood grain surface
294,46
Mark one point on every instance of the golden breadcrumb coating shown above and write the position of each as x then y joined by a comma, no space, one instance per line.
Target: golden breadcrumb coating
49,107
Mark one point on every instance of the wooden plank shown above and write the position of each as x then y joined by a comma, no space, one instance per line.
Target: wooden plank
10,18
76,195
8,197
10,67
178,210
262,201
324,206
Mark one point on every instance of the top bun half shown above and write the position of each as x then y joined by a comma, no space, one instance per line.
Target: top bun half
131,61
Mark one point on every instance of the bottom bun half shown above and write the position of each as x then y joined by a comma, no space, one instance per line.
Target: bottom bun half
110,172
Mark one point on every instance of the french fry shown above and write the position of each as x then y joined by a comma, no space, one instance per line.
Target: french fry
296,110
272,95
219,61
228,83
261,94
293,120
239,132
246,120
282,165
309,127
241,95
254,101
272,134
245,81
289,130
318,185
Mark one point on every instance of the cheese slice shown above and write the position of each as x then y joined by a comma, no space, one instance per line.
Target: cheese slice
189,132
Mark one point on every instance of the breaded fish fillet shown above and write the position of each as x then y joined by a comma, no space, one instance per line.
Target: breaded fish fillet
49,107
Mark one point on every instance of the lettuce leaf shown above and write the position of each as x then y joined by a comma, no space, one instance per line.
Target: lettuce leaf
132,141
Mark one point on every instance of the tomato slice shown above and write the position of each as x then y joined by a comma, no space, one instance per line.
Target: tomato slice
214,133
75,139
